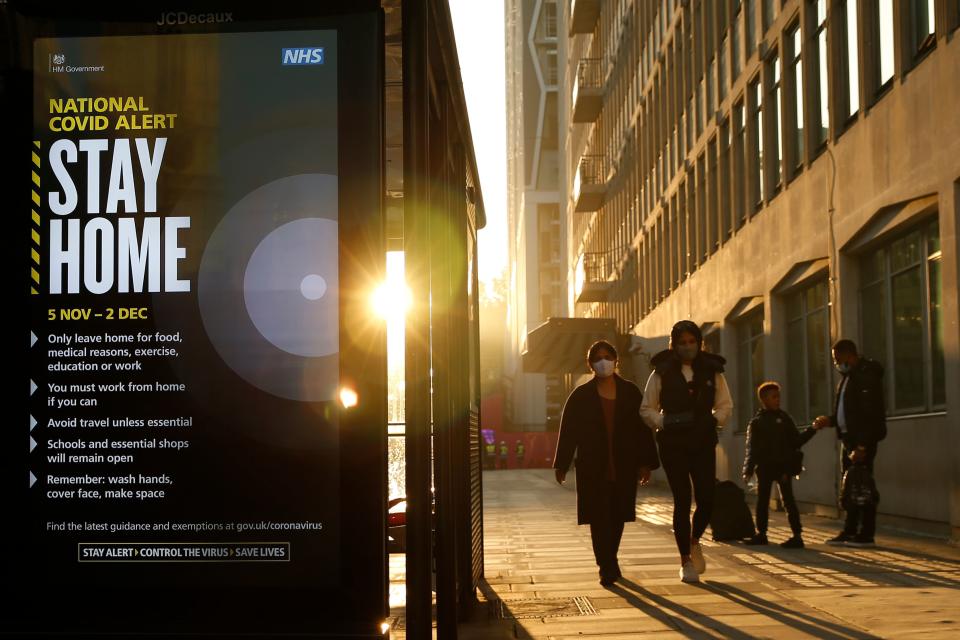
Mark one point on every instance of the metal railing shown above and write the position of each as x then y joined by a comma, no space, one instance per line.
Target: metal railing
598,265
593,170
590,73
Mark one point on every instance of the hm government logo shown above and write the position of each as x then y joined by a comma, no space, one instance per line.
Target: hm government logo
57,64
302,55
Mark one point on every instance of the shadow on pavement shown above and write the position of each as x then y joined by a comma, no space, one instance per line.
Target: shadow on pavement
847,566
816,627
672,614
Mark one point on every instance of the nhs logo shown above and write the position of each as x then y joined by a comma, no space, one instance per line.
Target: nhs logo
303,55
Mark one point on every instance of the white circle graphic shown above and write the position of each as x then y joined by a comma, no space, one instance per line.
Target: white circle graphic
313,287
288,301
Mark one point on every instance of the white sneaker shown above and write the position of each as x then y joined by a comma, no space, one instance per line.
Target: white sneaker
688,573
696,557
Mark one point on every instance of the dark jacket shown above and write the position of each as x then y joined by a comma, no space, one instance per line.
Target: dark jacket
863,405
772,437
582,430
679,397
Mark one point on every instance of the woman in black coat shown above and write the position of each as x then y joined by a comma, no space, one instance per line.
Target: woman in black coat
614,448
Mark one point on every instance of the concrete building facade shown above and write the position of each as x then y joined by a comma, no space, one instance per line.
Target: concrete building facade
536,238
784,173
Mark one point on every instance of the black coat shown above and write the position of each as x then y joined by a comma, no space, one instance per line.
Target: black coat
863,405
772,437
582,430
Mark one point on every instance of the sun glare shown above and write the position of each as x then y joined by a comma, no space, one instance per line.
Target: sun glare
392,299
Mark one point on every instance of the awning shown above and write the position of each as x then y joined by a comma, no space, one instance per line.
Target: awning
559,345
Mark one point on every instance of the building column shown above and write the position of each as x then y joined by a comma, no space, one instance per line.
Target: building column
949,206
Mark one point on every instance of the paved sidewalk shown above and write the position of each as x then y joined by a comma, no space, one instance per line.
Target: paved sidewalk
541,580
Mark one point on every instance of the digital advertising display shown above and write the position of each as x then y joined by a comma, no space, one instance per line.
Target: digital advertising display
186,358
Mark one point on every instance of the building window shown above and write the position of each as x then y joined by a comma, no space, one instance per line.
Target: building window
901,312
735,39
711,75
852,67
749,364
740,149
723,182
769,13
773,103
756,146
551,71
820,125
701,111
713,240
710,38
923,27
808,353
689,239
550,19
885,41
722,72
795,40
682,215
701,246
751,26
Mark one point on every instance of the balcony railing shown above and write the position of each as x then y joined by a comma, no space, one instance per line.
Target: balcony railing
588,90
590,184
606,276
593,276
583,15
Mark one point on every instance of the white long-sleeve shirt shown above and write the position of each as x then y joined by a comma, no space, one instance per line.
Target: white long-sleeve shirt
650,409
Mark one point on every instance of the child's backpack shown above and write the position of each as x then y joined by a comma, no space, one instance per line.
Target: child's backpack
731,519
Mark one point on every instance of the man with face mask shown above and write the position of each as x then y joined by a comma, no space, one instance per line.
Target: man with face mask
859,415
615,450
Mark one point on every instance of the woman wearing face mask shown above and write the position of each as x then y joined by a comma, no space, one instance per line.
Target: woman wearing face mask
614,448
685,399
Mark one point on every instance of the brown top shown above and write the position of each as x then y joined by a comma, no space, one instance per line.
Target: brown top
609,406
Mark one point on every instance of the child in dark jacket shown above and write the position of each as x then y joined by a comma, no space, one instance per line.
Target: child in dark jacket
772,443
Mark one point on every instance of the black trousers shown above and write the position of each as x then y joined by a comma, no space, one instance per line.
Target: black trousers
683,464
866,516
765,480
606,533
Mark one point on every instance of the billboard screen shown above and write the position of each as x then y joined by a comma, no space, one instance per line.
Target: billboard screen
186,309
204,218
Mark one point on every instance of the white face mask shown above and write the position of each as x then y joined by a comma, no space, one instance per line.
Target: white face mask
604,368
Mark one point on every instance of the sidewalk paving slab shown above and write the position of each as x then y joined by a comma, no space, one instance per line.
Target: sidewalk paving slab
537,556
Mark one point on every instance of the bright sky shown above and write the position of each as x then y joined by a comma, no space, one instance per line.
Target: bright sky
479,29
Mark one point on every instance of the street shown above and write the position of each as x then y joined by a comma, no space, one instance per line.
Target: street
541,580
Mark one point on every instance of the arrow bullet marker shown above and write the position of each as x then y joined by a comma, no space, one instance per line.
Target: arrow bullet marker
33,444
33,479
33,338
33,423
33,387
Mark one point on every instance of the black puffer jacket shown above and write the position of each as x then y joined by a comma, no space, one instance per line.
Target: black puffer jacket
772,437
678,396
863,405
